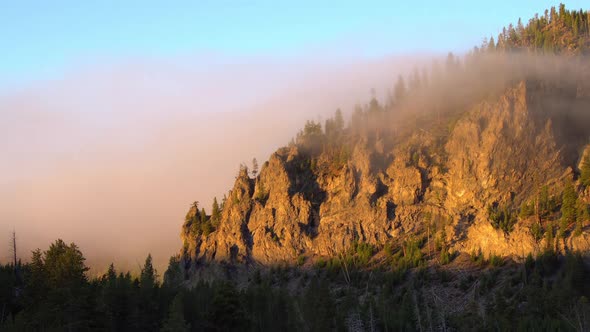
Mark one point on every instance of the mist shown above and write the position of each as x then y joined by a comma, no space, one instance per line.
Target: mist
111,155
458,83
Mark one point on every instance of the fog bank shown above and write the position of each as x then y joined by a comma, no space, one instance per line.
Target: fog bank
111,156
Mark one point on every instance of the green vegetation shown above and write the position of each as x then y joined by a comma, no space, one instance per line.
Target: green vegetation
582,216
526,210
364,252
477,257
537,231
585,170
409,256
199,223
496,260
215,213
556,31
549,238
55,294
261,194
568,208
502,217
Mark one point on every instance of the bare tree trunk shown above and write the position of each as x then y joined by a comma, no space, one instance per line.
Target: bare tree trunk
429,247
417,310
14,248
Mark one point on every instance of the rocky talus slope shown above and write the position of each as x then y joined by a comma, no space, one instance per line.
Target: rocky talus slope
498,152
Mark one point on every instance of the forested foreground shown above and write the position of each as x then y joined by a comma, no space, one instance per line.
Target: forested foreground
53,292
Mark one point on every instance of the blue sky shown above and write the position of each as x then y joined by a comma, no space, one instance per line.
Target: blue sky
39,39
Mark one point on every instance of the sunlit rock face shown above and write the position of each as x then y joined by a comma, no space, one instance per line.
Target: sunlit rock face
314,202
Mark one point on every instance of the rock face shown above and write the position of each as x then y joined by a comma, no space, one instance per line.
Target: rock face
498,152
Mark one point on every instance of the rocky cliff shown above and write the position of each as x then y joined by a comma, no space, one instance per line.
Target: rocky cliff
309,201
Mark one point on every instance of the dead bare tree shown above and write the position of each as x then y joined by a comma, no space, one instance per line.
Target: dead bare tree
345,269
417,310
14,247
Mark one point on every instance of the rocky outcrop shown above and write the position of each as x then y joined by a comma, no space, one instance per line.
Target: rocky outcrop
305,203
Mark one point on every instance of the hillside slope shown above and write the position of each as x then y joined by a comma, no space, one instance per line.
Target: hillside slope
500,152
484,154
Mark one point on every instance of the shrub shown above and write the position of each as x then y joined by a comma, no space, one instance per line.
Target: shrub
477,257
388,249
445,257
300,260
526,210
410,256
261,194
364,252
501,217
496,260
320,263
537,231
585,170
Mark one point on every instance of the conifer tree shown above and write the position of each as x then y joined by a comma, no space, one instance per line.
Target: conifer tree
206,227
338,121
582,215
223,201
215,212
203,216
568,207
549,239
491,45
400,89
175,321
173,276
585,170
148,276
254,167
147,306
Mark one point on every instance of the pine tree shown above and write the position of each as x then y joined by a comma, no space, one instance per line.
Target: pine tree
254,167
173,276
37,281
223,201
215,213
585,170
520,29
329,128
400,89
415,80
544,201
451,63
582,215
491,45
568,207
203,216
111,274
147,307
175,321
338,121
148,277
66,298
226,311
549,239
206,227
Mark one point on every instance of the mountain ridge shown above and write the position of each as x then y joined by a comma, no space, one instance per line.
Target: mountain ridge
473,156
302,204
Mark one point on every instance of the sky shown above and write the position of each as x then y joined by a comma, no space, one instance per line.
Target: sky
43,38
116,115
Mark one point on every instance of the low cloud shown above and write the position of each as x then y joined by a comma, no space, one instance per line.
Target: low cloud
111,156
